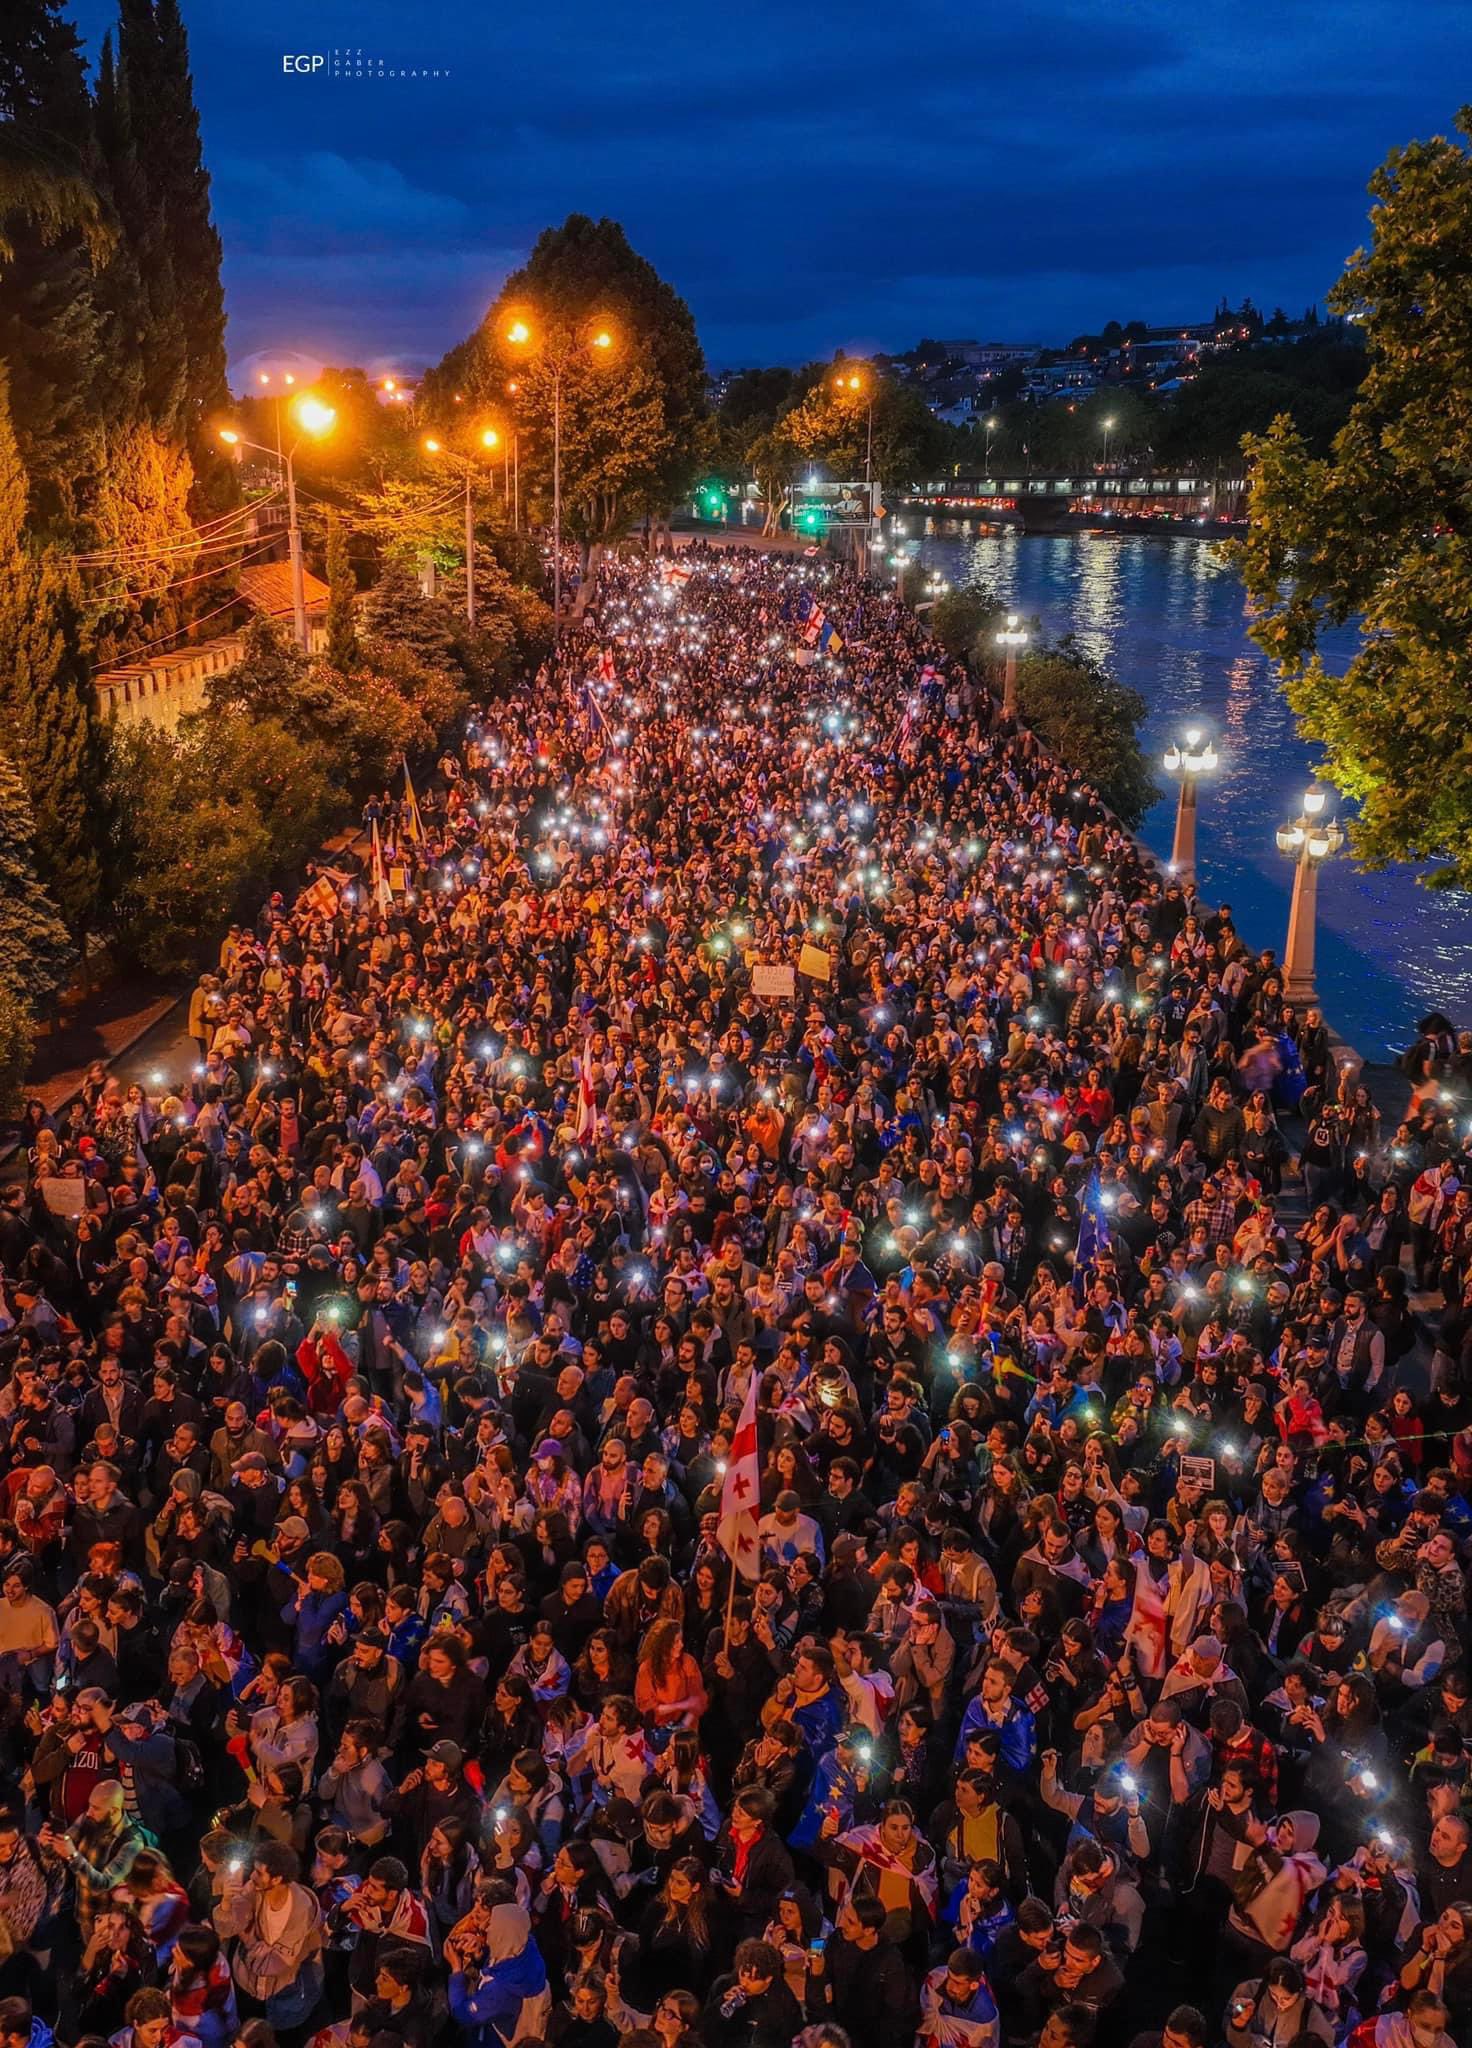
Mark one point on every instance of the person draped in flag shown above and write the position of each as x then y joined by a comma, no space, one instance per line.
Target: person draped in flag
585,1124
1093,1236
736,1532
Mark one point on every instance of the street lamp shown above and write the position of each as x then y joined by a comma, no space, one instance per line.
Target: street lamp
859,384
991,427
1193,759
488,439
1012,637
314,419
1108,429
1309,839
263,378
557,353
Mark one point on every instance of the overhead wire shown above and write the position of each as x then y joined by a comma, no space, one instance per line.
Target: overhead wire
187,539
112,597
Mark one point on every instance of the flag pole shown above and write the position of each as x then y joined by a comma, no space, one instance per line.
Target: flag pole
730,1610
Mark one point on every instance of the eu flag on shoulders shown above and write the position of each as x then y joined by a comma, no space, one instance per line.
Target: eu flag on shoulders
1093,1236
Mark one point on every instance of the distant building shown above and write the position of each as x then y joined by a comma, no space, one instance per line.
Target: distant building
1062,380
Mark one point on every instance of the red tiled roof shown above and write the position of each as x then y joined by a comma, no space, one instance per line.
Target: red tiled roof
267,586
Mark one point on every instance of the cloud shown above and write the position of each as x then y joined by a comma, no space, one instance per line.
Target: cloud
806,177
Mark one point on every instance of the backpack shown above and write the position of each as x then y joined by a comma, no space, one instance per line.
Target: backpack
189,1764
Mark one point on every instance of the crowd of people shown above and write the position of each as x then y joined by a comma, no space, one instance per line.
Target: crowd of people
743,1011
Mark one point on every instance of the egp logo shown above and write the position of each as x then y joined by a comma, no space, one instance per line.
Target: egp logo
307,62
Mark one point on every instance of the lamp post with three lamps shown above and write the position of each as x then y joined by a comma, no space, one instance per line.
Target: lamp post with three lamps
1190,761
314,419
1310,838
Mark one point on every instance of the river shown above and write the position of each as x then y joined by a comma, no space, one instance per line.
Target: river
1168,617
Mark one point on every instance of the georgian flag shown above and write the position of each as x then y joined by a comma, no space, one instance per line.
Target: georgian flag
586,1124
741,1493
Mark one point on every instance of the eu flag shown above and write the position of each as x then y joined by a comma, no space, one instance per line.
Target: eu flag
1093,1236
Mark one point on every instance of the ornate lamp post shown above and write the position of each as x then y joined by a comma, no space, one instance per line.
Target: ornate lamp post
1012,637
1190,761
1309,839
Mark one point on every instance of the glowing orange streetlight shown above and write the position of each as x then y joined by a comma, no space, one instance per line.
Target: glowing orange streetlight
487,438
557,356
314,417
853,383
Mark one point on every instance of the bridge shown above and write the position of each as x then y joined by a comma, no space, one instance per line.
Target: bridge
1048,499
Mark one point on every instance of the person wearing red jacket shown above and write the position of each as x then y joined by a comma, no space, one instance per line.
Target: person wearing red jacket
325,1367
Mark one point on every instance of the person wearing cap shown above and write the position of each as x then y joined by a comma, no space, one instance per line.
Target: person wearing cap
431,1792
140,1741
365,1683
1200,1678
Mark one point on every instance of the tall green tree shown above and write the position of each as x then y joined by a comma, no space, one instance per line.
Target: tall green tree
36,953
48,711
1378,530
651,390
173,162
49,322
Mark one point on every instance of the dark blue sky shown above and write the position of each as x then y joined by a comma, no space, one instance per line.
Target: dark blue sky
808,177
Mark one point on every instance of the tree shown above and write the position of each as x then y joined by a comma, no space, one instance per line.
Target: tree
1377,530
188,852
36,954
1090,721
229,801
651,390
171,205
49,323
424,628
961,619
1313,380
17,1046
48,711
342,586
275,683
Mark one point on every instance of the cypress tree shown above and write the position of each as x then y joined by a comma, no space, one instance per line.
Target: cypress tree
147,283
153,67
48,314
36,955
48,711
342,624
184,185
118,384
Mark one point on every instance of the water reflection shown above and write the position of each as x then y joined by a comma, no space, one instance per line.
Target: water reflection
1169,617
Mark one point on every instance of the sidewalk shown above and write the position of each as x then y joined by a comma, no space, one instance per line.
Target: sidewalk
133,1021
101,1026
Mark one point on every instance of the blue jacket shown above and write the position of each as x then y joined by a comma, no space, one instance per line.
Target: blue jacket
154,1764
1016,1730
315,1613
489,2013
